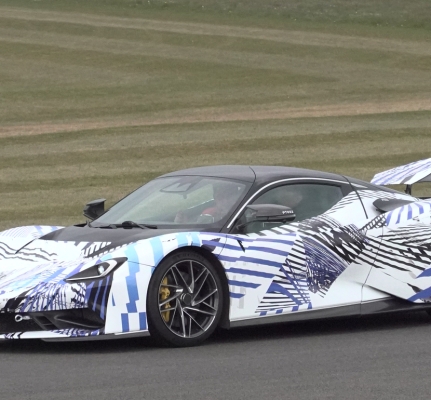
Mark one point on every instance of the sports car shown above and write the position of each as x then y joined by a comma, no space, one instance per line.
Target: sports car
221,246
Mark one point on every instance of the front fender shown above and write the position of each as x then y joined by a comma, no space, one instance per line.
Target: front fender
126,311
151,251
14,239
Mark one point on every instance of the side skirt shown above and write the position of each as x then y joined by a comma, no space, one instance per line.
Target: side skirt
390,305
333,312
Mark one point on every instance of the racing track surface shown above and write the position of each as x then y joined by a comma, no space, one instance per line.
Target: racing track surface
385,357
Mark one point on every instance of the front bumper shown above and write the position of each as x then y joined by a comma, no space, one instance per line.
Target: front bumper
65,325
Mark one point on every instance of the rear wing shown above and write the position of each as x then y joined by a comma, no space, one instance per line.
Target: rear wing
418,171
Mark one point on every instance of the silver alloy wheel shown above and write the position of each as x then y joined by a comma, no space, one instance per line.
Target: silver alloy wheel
188,298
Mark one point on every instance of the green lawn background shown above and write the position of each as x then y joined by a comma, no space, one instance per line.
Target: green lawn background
97,97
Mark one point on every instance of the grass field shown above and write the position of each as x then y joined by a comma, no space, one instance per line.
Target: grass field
97,97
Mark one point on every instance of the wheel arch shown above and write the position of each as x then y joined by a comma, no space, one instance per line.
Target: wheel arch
224,320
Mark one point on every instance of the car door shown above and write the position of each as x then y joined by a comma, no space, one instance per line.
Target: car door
301,265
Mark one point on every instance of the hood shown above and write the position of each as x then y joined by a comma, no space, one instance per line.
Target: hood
119,236
76,242
31,261
82,242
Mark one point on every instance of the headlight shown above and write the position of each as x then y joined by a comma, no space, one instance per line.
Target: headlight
98,271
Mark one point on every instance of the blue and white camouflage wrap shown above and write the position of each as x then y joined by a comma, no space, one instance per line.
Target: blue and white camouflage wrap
350,254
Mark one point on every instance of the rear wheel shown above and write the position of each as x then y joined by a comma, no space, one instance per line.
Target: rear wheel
185,300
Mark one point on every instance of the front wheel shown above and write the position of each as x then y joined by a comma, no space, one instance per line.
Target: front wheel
185,300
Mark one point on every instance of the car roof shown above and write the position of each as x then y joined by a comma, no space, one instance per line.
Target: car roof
259,173
241,172
271,173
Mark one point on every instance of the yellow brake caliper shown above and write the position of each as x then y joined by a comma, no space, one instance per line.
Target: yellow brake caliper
164,294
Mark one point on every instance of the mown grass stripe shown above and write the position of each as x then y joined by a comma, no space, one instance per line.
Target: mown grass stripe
141,151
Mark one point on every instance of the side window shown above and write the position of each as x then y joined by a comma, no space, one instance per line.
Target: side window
307,200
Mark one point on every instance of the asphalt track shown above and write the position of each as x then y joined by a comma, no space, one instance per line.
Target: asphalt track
385,357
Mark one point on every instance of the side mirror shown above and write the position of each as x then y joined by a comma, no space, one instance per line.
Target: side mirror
268,213
94,209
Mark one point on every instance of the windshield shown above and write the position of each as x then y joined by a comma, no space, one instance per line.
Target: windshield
176,201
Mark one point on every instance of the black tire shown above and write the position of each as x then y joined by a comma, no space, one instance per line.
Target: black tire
184,300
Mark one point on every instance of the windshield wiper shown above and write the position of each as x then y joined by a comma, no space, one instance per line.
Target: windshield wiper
125,225
133,224
110,226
